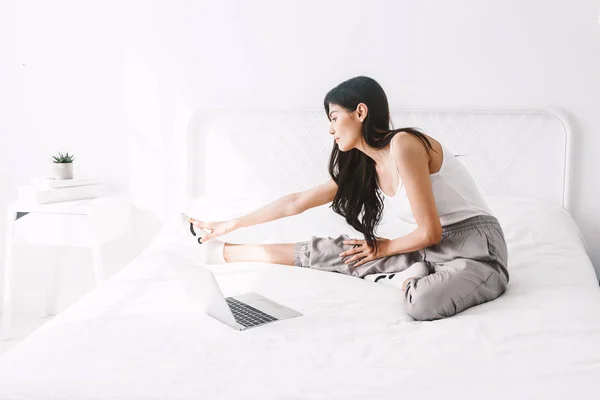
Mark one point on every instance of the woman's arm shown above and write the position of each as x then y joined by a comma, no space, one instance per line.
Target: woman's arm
413,162
316,196
291,204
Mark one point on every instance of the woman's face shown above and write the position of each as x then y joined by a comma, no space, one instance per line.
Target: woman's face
346,127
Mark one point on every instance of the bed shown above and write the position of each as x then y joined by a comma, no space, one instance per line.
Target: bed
139,335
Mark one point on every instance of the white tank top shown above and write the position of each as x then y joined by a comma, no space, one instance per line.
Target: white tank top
456,194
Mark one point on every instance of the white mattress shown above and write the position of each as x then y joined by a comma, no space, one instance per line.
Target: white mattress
139,337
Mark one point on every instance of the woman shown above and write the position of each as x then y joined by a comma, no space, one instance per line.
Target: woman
454,259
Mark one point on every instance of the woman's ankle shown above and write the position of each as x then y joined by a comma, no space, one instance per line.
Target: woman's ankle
226,246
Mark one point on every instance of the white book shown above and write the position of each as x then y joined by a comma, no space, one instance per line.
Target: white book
50,182
31,194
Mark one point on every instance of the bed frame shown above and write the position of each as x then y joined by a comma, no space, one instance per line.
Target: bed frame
520,153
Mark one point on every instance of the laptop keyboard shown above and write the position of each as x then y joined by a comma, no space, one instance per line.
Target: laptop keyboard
246,315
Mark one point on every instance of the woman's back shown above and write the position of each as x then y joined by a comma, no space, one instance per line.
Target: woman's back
456,194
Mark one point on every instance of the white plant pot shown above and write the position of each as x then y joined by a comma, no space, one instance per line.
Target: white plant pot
63,170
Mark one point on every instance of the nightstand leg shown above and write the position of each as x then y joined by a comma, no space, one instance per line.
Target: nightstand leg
96,254
50,285
8,266
98,270
51,298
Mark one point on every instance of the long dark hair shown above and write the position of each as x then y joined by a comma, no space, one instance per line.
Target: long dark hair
353,171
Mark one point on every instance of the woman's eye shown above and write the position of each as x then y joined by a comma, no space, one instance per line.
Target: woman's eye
334,119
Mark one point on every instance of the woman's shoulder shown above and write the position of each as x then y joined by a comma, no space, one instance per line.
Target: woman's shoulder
405,143
407,146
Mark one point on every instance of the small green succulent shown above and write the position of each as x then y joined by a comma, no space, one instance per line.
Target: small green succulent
64,158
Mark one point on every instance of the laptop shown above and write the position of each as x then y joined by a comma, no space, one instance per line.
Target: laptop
241,312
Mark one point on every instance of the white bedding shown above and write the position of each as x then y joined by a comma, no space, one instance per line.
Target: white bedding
139,337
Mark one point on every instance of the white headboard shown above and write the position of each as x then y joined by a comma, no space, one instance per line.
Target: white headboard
510,153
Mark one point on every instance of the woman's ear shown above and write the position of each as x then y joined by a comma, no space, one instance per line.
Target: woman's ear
362,111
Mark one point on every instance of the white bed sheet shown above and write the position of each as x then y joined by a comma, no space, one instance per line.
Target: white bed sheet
139,336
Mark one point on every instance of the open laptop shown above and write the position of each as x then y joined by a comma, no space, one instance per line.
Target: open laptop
241,312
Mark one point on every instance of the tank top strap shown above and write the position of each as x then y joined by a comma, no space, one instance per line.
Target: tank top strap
394,161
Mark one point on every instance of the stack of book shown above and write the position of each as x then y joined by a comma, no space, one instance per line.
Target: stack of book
49,189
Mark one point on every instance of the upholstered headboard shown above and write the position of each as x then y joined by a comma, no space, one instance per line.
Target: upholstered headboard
510,153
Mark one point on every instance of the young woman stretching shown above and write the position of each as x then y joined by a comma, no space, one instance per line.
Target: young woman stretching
455,258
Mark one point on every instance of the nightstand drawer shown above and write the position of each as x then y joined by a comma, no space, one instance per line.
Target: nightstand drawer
71,229
54,229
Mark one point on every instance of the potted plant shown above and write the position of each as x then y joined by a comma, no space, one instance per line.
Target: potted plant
63,165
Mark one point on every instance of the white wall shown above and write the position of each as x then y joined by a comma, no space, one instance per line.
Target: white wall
116,81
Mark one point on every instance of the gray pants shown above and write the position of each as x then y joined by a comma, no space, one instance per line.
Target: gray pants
468,267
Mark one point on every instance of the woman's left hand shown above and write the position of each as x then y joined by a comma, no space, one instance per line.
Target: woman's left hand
363,252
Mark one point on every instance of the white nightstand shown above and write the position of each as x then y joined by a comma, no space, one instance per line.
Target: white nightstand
78,223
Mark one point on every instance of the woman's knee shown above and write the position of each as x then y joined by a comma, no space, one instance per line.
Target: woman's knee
424,302
438,296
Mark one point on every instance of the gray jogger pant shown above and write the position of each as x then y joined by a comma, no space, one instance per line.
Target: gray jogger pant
468,267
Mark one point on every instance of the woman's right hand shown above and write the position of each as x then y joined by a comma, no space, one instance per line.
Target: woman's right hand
218,228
